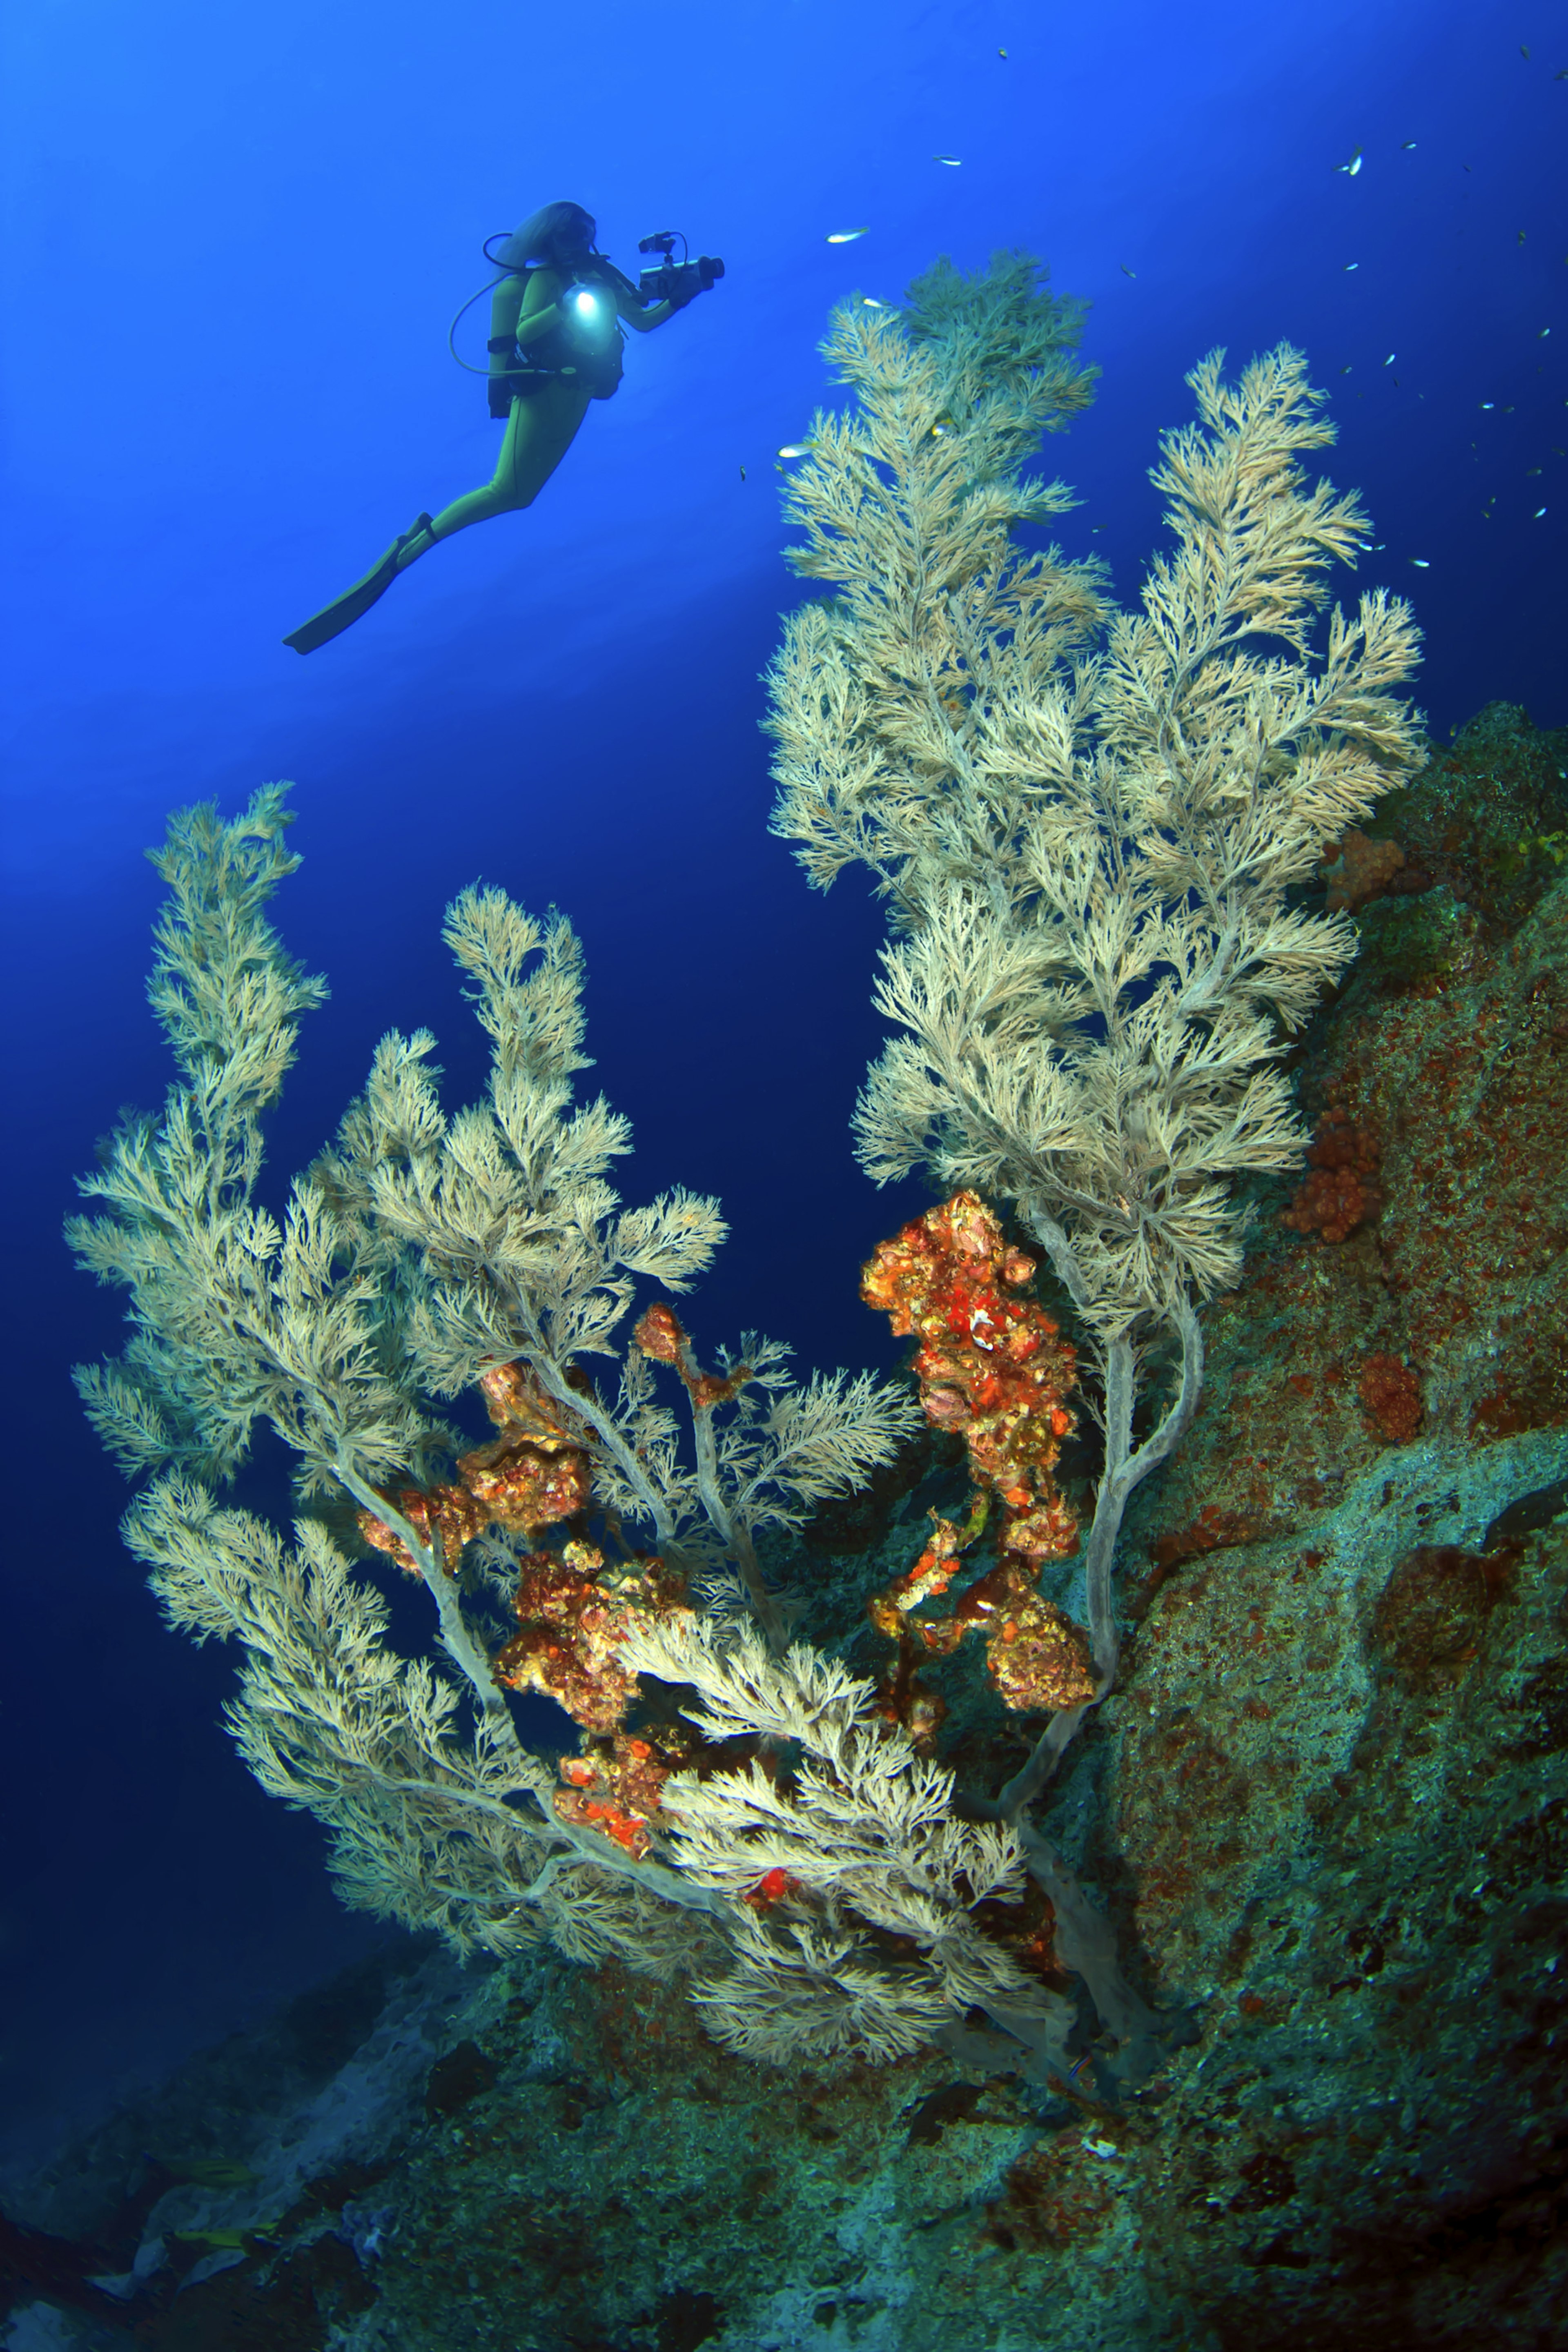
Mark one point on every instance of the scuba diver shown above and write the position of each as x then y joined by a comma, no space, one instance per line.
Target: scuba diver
555,344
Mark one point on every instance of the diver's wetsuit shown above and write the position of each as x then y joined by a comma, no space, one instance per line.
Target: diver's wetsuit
550,404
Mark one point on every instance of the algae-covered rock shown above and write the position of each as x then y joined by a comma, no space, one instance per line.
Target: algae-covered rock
1326,1812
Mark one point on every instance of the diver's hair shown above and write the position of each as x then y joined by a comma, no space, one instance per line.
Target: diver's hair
537,237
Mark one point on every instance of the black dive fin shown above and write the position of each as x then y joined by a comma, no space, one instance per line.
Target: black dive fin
344,610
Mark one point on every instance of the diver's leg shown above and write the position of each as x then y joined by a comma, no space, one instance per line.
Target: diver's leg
541,429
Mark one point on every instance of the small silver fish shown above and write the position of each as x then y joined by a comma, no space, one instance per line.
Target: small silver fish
1406,145
1539,512
954,160
1421,563
1353,265
846,236
871,302
1125,272
1352,167
1390,360
797,449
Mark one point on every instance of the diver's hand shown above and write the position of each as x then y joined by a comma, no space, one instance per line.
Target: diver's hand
687,288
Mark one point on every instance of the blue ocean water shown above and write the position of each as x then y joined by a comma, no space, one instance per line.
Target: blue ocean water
235,238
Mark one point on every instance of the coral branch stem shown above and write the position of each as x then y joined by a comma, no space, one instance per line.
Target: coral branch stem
459,1640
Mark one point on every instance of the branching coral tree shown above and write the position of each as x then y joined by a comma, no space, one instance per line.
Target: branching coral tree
824,1910
1085,822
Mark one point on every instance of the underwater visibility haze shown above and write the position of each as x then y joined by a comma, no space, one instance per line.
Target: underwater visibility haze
909,1595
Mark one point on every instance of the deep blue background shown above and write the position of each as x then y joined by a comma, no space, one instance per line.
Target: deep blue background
233,240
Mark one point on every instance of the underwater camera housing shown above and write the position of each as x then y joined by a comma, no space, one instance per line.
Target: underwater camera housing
668,280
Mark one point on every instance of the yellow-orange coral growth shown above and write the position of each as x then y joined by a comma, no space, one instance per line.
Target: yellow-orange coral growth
990,1364
533,1476
992,1367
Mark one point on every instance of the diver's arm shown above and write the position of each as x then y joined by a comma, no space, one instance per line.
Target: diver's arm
534,325
541,309
641,322
640,317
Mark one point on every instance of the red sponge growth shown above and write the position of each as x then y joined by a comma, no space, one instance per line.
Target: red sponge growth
1341,1191
1392,1394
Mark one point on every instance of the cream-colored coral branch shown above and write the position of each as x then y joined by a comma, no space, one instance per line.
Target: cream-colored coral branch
1086,822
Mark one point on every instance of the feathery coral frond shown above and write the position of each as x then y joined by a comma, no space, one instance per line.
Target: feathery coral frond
863,1834
1085,821
1088,856
422,1254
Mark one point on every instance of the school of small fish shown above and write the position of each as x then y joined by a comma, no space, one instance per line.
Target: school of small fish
1350,167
